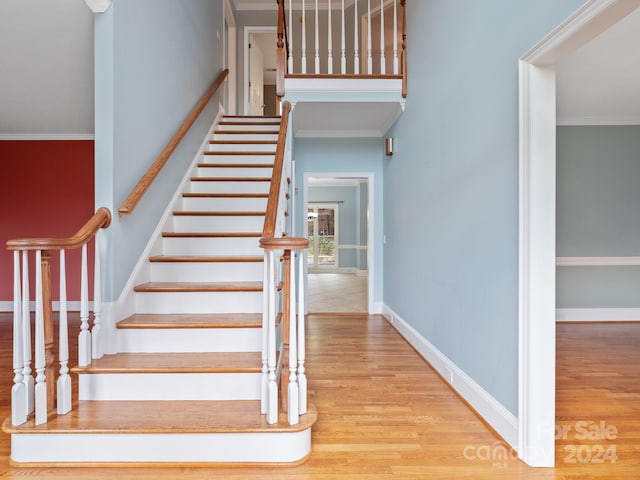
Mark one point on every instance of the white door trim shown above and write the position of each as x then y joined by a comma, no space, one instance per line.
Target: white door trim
245,80
371,246
537,216
231,59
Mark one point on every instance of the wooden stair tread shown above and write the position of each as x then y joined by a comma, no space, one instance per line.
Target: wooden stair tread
225,195
191,320
198,362
206,259
210,213
212,234
199,287
195,416
243,152
248,122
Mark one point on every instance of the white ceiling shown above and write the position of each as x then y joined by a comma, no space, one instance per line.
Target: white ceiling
46,71
599,84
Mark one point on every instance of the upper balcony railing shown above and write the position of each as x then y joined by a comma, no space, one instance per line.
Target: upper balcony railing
361,39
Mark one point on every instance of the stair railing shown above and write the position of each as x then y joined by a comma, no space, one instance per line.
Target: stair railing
284,256
385,59
40,395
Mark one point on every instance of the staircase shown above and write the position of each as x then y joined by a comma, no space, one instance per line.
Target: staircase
185,385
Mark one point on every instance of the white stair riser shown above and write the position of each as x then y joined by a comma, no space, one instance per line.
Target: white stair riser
218,223
267,447
213,159
263,137
205,246
198,302
234,172
207,271
239,127
190,340
250,119
243,147
230,187
225,204
169,386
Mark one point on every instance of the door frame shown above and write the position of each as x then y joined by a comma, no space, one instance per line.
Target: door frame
370,179
537,219
245,79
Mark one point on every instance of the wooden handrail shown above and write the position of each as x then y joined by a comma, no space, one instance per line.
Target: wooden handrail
101,219
147,179
276,179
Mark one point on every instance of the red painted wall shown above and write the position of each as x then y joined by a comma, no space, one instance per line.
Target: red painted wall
46,190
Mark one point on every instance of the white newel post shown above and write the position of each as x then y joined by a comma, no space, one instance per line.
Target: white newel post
18,390
290,39
329,43
272,413
64,380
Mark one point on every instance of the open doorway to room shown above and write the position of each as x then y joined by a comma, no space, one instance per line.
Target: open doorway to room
537,257
260,97
338,228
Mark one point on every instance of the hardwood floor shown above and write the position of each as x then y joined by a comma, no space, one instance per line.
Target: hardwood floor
383,413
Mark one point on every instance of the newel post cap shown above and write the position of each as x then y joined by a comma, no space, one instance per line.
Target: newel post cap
98,6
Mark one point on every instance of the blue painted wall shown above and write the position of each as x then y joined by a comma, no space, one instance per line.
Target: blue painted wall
598,214
451,187
349,155
154,60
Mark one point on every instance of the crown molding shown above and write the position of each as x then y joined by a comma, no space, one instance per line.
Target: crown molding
98,6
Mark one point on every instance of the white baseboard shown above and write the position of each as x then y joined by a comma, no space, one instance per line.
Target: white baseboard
598,314
492,411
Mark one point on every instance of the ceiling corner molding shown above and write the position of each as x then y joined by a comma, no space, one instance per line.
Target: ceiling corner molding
98,6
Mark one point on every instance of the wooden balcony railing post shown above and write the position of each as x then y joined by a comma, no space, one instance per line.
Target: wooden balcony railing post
281,54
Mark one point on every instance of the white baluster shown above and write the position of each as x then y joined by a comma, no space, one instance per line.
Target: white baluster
84,339
317,50
290,38
292,392
64,380
266,292
41,384
302,377
329,43
383,66
356,40
304,39
396,67
26,335
272,414
96,333
343,46
18,390
369,52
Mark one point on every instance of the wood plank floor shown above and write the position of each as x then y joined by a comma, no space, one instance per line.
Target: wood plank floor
383,413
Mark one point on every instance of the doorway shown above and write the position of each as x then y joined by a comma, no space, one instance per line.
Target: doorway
339,227
537,213
260,71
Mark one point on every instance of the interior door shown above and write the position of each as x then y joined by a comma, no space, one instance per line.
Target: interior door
256,78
